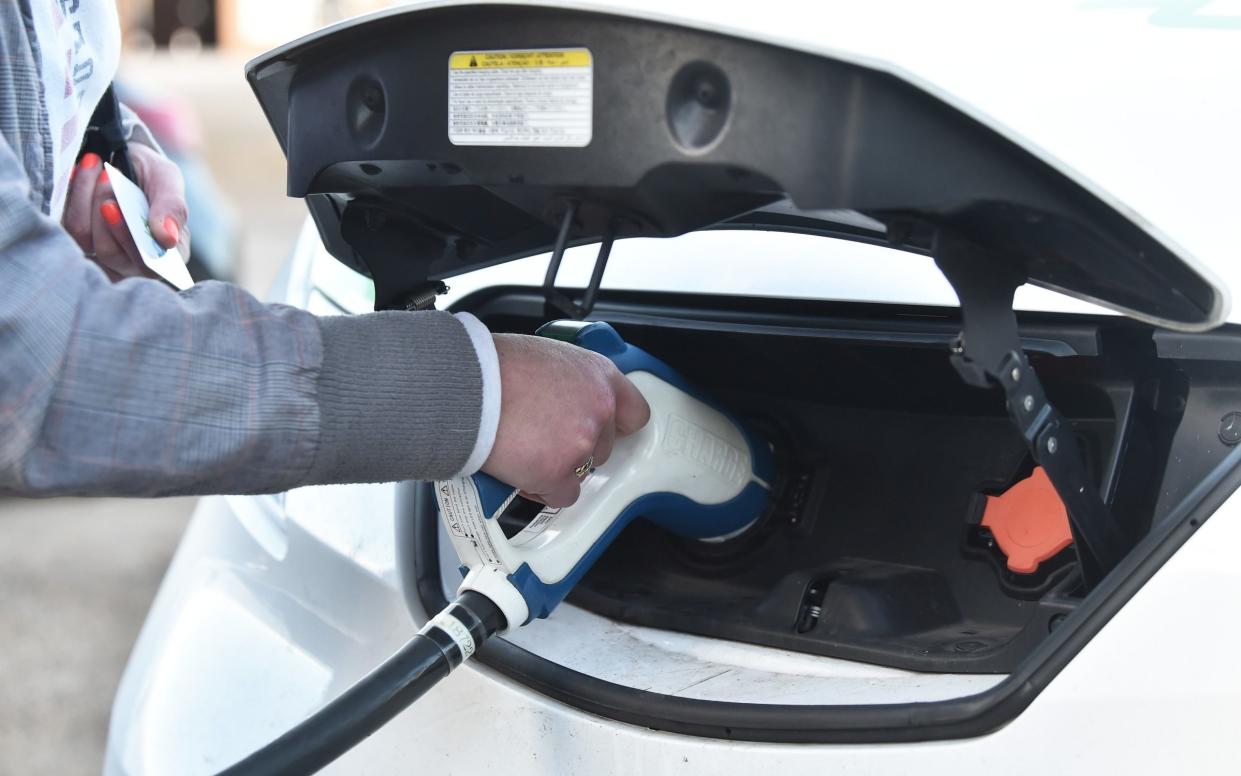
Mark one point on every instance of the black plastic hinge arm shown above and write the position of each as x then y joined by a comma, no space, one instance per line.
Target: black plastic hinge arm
555,303
988,353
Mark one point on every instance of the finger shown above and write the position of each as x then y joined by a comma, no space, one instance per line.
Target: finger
563,494
79,210
166,231
531,497
164,187
603,448
632,411
119,230
114,245
111,253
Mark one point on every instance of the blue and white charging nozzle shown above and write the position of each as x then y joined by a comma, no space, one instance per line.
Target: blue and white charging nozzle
693,469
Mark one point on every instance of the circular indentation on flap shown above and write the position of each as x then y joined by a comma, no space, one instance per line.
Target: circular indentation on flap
699,103
366,107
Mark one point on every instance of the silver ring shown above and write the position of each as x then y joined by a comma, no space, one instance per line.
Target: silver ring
586,468
89,254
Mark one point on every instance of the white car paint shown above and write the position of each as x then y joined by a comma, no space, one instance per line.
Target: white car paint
1135,99
240,645
275,604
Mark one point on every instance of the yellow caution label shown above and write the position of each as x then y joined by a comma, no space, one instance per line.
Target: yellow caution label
465,60
535,97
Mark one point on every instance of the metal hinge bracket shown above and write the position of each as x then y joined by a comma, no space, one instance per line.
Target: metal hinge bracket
988,352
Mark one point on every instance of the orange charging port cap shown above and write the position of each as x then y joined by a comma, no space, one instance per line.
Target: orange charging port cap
1029,522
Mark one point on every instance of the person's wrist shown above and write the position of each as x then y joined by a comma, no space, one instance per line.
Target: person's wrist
489,418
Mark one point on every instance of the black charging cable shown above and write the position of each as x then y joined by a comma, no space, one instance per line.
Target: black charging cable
445,643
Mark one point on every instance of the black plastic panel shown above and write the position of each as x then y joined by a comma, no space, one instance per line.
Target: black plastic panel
883,455
361,111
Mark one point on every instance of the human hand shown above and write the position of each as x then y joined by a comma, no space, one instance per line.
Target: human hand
94,220
560,405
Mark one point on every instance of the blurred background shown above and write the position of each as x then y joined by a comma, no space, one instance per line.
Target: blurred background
77,576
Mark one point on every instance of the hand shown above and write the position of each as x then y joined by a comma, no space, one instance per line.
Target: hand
94,220
560,404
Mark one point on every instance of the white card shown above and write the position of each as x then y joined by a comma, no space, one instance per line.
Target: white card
165,262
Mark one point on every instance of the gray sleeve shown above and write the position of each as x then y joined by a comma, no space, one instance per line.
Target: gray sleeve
133,389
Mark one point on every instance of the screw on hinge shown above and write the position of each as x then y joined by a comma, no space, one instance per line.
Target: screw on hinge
1230,428
811,606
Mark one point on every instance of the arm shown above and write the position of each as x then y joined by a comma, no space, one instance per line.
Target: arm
130,389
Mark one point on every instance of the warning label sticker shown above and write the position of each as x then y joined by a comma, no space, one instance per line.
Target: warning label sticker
462,511
535,527
534,97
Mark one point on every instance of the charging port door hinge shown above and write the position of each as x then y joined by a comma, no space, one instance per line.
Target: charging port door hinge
989,352
556,303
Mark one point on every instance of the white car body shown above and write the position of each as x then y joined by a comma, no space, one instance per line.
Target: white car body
275,604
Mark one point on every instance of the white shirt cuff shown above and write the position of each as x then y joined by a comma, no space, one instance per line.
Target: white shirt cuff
489,362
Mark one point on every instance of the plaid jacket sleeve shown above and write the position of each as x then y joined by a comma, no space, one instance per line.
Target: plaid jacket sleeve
133,389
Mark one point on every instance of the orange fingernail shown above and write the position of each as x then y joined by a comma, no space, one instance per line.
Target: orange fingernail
103,177
90,160
111,212
171,228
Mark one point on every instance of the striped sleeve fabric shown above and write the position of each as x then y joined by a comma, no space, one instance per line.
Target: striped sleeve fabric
133,389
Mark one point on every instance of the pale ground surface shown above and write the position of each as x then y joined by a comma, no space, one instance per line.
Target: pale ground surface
76,576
